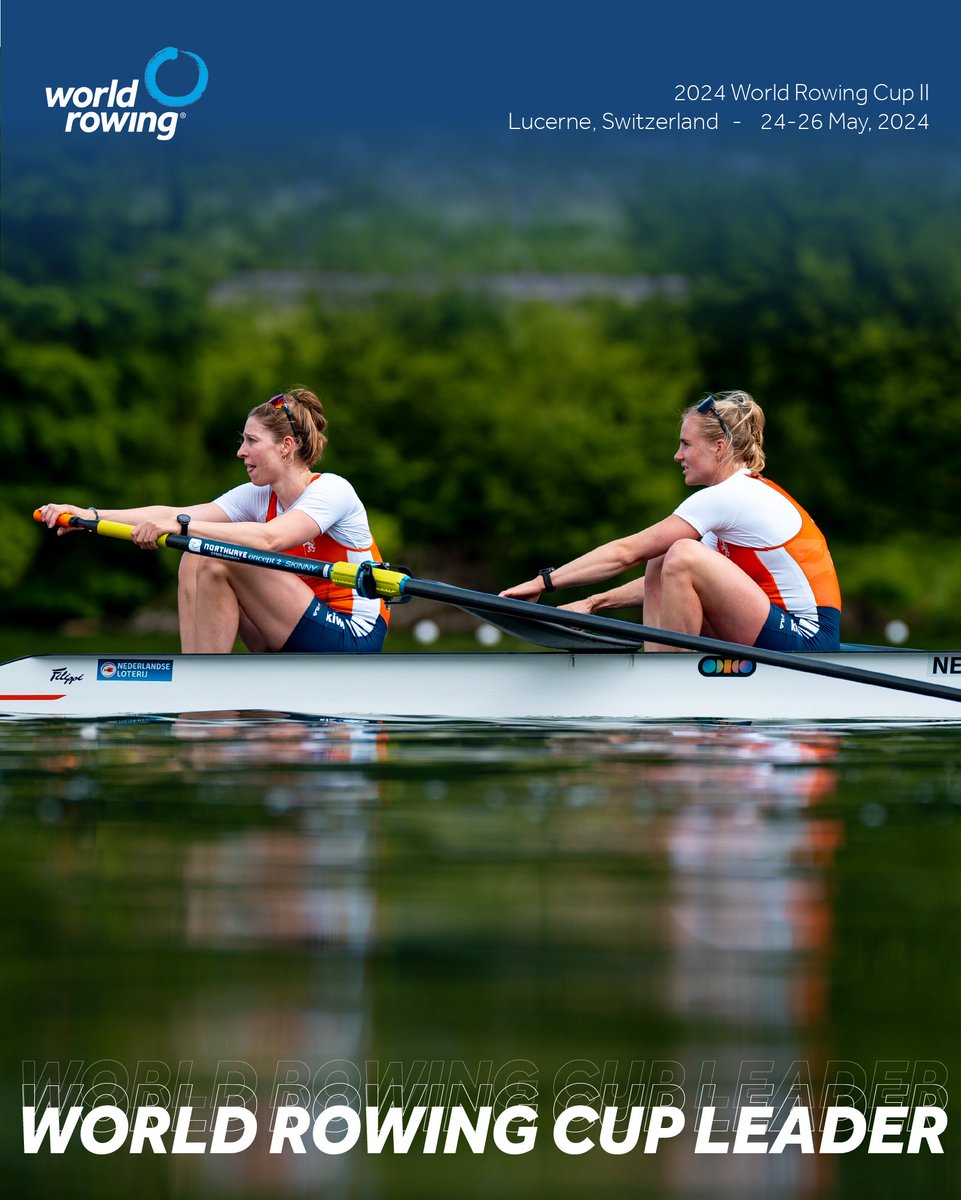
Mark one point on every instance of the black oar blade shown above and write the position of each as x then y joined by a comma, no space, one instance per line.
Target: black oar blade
552,636
539,623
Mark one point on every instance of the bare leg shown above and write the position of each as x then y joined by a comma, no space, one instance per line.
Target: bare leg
700,588
262,606
251,636
187,602
216,610
190,568
652,597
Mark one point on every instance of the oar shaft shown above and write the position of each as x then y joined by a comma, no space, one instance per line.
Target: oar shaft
388,583
625,632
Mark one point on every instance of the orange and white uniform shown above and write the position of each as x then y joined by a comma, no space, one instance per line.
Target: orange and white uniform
772,539
343,535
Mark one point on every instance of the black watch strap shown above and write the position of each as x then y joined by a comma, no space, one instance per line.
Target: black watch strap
545,574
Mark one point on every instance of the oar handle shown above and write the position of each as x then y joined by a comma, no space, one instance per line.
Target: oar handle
110,529
64,519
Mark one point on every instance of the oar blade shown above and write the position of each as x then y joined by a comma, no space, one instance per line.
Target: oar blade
552,636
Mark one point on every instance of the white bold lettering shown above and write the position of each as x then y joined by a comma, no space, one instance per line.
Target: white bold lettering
49,1127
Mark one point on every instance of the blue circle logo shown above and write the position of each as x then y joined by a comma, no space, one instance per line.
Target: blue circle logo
168,54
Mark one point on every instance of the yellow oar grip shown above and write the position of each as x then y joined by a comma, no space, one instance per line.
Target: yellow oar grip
113,529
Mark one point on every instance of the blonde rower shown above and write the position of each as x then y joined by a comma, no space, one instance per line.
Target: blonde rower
738,560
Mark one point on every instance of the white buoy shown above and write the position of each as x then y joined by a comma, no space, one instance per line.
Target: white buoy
488,635
426,632
896,632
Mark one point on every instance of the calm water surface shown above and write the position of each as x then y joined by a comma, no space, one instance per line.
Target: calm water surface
204,910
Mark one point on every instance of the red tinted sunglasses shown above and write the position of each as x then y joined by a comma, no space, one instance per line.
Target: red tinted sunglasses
280,401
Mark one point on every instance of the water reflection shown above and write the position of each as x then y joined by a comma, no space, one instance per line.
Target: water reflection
306,882
284,895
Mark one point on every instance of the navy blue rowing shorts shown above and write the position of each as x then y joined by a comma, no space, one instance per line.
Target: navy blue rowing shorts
322,631
782,631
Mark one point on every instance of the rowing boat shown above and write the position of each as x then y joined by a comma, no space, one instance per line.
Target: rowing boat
595,670
498,686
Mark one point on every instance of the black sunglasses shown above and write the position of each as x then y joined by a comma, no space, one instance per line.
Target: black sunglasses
709,405
280,401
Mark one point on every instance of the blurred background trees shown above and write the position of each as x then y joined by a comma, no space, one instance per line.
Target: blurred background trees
504,349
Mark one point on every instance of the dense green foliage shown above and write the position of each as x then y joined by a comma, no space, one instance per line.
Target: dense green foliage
488,435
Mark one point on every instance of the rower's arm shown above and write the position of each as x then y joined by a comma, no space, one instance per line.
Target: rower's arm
51,513
290,529
610,559
208,520
164,513
628,595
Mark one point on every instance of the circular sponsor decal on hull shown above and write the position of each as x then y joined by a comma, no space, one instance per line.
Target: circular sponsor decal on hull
733,668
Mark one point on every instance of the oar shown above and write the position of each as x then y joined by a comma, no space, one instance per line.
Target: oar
514,616
542,625
389,583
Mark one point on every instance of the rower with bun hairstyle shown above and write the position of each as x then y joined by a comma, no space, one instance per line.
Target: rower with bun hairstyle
739,560
284,507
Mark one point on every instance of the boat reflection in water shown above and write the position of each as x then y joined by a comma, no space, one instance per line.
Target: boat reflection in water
328,904
305,880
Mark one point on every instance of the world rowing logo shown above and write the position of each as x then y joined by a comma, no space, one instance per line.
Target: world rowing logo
112,107
169,54
731,667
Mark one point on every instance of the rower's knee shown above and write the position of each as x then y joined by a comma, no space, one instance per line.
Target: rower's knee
211,568
682,557
196,573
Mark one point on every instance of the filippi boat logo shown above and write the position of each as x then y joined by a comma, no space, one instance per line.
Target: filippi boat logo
112,107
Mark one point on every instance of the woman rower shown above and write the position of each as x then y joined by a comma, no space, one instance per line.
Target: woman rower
285,507
738,560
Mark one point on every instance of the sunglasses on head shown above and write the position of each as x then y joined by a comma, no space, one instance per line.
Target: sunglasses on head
280,401
709,405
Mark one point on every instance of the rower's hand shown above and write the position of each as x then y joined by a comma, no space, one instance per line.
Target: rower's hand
580,606
50,514
146,533
531,590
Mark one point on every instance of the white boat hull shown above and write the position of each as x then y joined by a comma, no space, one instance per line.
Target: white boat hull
499,687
